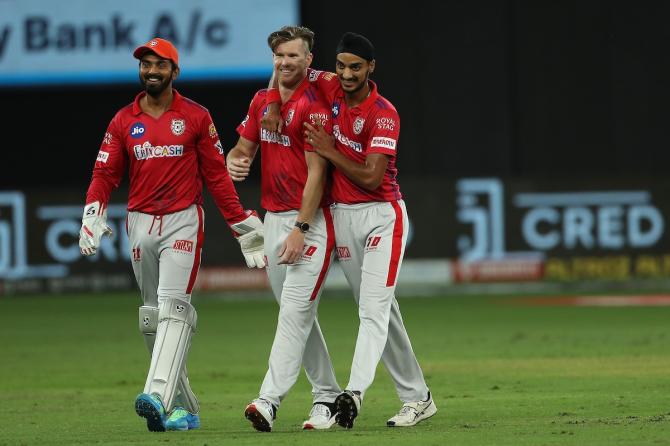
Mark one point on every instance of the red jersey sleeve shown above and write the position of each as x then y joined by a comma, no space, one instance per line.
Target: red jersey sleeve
326,82
109,165
318,111
248,128
384,132
212,164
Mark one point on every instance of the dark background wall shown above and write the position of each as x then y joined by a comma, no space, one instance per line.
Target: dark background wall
514,89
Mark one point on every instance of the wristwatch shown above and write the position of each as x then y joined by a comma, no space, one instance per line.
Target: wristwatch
302,225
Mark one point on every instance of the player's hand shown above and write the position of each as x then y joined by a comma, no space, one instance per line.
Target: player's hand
322,142
292,248
238,168
271,120
93,227
251,237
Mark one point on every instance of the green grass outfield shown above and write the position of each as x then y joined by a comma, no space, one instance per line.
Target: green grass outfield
501,374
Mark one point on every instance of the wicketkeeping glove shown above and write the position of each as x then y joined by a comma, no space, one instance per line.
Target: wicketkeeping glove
250,236
93,227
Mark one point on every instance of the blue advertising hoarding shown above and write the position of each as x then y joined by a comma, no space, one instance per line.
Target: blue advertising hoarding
91,41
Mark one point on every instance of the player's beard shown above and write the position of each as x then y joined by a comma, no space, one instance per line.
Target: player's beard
156,90
358,87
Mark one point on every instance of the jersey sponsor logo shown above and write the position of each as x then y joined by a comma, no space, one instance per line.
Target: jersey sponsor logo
343,253
178,127
385,143
212,131
107,139
358,125
308,252
385,123
372,244
244,121
147,151
219,147
275,137
183,245
137,130
318,117
289,117
358,147
336,109
102,156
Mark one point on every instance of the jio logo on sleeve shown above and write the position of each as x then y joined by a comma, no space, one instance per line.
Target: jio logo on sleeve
137,130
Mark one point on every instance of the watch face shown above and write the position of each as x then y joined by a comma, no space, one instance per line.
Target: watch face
303,226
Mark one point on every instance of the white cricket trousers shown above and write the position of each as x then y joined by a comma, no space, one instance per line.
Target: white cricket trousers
370,240
297,287
165,253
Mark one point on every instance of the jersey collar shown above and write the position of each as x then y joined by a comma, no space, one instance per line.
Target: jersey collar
302,86
367,102
177,101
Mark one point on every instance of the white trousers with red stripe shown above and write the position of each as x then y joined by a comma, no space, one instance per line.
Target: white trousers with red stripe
371,241
297,287
165,254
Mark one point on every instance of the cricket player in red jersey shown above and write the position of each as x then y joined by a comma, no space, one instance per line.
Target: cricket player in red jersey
299,237
371,227
169,145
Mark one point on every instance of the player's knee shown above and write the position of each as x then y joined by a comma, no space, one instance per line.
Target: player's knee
148,319
179,310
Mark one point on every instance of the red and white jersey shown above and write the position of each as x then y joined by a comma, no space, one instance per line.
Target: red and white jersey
283,165
373,126
167,160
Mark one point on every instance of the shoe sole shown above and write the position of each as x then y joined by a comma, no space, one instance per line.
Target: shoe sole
257,420
309,426
147,410
347,411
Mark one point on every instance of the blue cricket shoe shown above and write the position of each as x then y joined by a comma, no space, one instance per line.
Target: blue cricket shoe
182,420
151,408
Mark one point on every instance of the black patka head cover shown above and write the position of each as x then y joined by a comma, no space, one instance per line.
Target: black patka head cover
356,44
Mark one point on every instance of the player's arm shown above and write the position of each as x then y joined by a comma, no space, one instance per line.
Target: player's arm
368,175
326,82
240,157
108,170
317,168
271,120
246,226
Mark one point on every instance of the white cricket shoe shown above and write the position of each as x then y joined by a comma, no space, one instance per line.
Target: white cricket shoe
348,405
411,413
261,413
320,417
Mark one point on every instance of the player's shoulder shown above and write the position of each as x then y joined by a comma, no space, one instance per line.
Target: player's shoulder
258,99
384,106
124,115
315,75
193,106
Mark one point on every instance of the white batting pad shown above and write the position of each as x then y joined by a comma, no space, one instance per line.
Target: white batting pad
148,326
176,323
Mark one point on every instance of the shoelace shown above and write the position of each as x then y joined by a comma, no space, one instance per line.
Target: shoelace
407,409
320,409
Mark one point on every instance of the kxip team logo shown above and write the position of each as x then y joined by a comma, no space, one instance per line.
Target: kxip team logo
178,127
